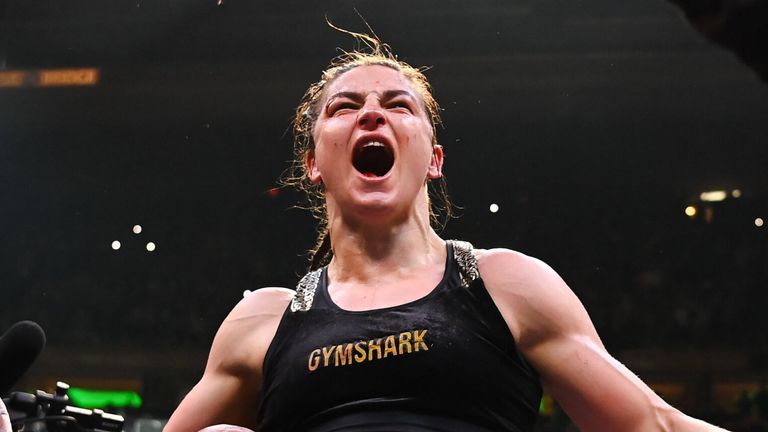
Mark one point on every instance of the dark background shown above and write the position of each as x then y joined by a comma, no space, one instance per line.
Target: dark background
591,123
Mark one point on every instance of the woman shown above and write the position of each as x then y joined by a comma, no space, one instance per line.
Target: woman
403,331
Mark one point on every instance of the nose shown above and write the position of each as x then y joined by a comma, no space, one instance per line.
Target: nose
371,117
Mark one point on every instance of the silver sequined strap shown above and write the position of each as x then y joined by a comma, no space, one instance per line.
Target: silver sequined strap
305,291
465,258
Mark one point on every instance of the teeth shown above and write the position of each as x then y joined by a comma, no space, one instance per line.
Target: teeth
374,144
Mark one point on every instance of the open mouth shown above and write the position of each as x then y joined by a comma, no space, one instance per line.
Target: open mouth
373,159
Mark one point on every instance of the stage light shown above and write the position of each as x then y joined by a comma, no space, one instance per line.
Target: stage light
759,222
736,193
50,77
92,399
713,196
68,77
137,229
12,78
494,208
151,246
690,211
115,245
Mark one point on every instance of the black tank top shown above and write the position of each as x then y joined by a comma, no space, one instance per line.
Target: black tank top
444,362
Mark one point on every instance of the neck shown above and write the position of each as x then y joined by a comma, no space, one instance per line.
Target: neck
364,253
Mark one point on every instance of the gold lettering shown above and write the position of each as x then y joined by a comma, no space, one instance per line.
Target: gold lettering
375,349
360,352
418,340
327,351
405,341
390,346
314,360
374,345
343,355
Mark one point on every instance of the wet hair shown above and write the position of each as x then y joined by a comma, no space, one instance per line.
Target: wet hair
371,52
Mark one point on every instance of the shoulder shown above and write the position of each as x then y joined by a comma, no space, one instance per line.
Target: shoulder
261,304
246,333
556,335
533,299
233,374
512,270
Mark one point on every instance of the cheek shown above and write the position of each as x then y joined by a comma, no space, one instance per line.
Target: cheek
324,154
329,154
418,138
332,132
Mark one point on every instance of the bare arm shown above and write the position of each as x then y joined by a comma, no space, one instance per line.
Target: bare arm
5,419
228,391
555,334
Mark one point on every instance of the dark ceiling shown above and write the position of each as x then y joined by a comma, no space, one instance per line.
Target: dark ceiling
576,117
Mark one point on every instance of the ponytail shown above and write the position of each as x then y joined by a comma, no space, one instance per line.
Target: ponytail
322,252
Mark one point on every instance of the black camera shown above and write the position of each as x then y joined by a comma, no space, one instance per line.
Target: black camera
45,412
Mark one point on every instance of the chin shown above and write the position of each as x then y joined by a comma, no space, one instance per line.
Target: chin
374,209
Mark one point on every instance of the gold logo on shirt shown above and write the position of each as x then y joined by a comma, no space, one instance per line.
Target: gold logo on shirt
365,351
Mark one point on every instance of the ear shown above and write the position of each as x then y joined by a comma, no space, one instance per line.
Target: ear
436,163
312,172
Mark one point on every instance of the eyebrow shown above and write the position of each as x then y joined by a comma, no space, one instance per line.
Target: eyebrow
360,97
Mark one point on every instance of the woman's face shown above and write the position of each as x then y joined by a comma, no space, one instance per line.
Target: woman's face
373,146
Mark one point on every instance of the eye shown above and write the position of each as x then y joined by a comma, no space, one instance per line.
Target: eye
341,106
401,104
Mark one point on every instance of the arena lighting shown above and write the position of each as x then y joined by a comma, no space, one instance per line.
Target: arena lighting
151,247
137,229
12,78
50,77
67,77
115,245
690,211
97,399
759,222
713,196
736,193
494,208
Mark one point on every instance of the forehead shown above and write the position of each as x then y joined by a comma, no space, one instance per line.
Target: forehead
370,79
